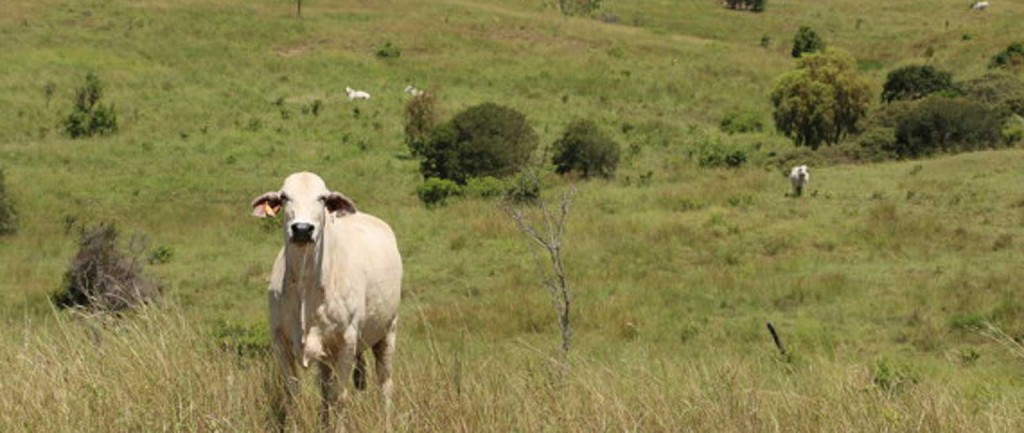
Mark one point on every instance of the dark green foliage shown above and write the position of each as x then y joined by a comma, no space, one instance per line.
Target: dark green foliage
1012,56
484,140
8,215
719,157
161,254
752,5
421,117
1000,90
822,101
948,125
88,117
485,187
738,122
915,82
805,41
584,149
525,188
436,192
389,51
103,278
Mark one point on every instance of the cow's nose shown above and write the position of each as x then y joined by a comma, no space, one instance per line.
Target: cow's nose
302,232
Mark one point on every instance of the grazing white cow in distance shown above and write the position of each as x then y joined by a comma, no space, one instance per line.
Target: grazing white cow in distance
356,94
334,290
979,6
413,91
798,177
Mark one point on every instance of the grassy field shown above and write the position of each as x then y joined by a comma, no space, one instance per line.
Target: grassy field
882,281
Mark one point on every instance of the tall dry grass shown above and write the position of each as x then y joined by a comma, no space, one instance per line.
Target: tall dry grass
156,371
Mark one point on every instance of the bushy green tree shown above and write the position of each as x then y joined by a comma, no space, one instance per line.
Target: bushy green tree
584,149
822,100
484,140
805,41
915,82
1000,90
940,124
88,117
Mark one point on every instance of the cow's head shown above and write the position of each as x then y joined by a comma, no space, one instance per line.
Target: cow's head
802,172
305,202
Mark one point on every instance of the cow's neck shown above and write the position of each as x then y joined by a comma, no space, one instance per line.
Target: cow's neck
302,264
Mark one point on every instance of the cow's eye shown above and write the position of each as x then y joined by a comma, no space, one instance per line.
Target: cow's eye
284,197
322,199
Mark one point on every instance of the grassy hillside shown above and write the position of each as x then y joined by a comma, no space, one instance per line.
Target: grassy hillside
880,281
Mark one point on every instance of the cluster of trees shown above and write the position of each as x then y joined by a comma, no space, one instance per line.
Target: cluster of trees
924,110
471,153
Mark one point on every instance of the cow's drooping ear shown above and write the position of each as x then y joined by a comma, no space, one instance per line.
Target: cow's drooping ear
266,205
339,204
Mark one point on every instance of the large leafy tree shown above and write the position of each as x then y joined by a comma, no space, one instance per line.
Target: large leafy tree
822,100
915,82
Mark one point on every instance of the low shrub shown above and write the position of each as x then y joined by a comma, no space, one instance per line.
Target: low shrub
103,278
584,149
389,51
88,117
738,122
436,192
485,187
1012,56
948,125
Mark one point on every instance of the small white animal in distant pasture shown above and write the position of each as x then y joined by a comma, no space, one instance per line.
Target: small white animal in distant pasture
979,6
799,177
354,94
413,91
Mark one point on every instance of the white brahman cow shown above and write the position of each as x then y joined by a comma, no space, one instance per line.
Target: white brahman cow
979,6
799,177
334,289
356,94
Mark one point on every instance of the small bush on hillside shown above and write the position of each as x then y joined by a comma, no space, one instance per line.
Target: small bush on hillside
436,192
578,7
891,376
806,41
525,188
8,215
738,122
915,82
485,187
584,149
421,117
718,157
484,140
103,278
1012,56
948,125
88,117
389,51
752,5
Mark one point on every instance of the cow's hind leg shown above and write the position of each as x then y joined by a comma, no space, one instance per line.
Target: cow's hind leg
359,374
383,354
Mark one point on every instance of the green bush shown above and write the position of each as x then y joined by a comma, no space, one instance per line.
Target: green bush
525,188
389,51
805,41
948,125
88,117
715,154
8,215
485,187
584,149
915,82
436,192
738,122
1000,90
752,5
484,140
1012,56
